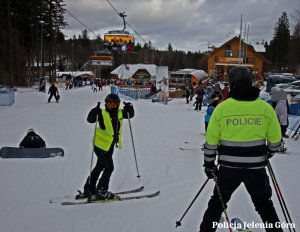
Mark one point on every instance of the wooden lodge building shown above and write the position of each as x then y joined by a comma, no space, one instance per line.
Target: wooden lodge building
234,53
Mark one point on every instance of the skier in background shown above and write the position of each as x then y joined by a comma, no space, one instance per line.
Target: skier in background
32,140
281,110
53,91
245,131
108,135
199,97
225,91
207,116
215,96
187,94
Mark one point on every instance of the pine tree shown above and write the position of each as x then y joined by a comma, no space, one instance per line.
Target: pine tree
294,58
279,45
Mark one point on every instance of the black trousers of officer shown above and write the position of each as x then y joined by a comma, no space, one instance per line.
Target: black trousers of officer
105,165
258,186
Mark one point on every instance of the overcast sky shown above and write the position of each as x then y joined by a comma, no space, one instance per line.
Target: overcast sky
189,25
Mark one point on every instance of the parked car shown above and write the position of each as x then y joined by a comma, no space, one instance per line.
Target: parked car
272,80
296,83
280,87
294,88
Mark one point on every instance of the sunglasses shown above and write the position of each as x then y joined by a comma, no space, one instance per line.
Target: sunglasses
112,104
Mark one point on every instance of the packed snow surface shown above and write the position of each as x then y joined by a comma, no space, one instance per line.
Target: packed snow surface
158,132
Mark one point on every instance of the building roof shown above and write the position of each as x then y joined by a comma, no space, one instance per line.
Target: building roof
259,47
197,73
249,46
126,71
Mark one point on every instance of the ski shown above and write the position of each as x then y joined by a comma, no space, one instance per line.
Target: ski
191,148
187,149
118,198
72,197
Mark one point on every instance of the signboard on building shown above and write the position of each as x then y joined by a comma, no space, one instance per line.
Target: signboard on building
102,62
235,60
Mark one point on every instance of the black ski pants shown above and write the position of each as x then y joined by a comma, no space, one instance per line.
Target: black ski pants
51,95
105,165
198,104
258,186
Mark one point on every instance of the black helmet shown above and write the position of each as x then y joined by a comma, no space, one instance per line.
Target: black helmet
112,101
30,130
112,97
239,74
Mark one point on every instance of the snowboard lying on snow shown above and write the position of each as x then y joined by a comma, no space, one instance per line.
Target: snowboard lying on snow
16,152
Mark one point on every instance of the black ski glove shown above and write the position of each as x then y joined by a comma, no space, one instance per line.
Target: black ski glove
128,107
100,117
210,169
97,109
98,113
92,116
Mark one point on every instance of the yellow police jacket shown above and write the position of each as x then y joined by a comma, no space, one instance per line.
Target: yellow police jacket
241,132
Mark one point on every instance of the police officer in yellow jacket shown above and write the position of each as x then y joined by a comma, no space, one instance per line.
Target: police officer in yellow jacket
244,130
108,135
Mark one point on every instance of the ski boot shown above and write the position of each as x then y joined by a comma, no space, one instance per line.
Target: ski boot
85,194
103,195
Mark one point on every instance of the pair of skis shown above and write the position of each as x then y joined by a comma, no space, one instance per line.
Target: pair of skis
70,200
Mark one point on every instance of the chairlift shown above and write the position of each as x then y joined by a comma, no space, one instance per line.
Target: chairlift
119,40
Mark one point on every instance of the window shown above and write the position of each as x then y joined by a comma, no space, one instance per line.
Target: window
228,53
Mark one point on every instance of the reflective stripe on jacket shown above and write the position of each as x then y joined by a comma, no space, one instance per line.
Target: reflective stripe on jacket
242,131
104,138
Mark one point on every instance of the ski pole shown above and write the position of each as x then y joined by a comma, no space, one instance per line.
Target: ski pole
293,127
178,223
280,200
98,105
296,131
134,153
279,195
221,200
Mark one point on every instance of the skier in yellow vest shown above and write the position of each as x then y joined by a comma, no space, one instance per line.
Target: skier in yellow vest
245,131
108,135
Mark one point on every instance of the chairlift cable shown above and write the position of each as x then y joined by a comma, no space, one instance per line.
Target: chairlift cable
81,23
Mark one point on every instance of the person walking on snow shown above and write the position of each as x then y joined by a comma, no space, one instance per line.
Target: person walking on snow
209,111
108,135
215,96
94,87
245,131
53,92
187,94
282,114
199,98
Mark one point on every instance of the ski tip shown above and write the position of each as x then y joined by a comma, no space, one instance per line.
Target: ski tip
154,194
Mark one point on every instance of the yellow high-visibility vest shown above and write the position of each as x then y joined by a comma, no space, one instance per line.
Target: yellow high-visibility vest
104,138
